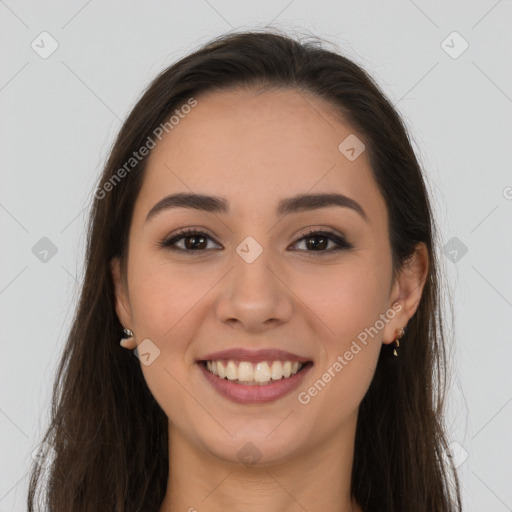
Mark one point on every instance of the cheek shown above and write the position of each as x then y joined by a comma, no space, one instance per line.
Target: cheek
166,302
347,301
346,298
340,386
164,296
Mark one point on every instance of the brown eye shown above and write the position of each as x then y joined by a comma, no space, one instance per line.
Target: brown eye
318,241
193,241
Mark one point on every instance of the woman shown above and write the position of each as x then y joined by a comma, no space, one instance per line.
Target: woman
263,236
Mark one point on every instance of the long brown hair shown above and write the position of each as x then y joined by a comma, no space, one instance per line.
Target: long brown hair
109,435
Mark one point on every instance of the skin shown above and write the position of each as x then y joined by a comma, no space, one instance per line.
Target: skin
255,148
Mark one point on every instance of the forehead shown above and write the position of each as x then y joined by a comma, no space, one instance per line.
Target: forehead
255,147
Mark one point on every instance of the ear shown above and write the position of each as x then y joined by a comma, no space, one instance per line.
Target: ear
407,291
122,303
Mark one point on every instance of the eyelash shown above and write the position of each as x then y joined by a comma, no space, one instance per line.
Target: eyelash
183,233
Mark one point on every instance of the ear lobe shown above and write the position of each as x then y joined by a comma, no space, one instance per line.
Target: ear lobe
122,304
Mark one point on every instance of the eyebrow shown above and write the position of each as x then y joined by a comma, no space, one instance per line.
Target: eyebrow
295,204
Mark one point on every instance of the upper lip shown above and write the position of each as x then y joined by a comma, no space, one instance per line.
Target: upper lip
254,356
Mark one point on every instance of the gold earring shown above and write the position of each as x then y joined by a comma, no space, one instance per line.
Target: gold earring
399,335
128,340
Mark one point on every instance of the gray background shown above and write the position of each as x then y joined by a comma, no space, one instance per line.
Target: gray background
60,114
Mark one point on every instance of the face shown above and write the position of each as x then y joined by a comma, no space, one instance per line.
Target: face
256,278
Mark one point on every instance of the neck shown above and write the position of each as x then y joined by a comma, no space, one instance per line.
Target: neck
316,480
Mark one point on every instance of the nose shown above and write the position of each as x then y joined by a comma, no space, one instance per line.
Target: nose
254,296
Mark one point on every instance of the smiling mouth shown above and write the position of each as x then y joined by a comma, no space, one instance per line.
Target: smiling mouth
254,374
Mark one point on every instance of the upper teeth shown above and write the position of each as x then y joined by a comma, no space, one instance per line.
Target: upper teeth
245,371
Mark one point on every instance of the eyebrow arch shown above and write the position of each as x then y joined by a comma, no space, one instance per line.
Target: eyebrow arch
295,204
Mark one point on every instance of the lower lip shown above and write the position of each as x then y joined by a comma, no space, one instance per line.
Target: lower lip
256,394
